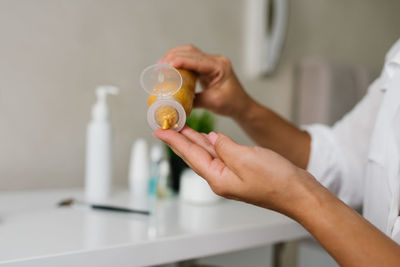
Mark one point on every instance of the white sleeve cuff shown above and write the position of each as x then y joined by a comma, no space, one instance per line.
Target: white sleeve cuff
323,163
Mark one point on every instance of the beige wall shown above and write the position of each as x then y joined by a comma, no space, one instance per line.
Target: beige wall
54,53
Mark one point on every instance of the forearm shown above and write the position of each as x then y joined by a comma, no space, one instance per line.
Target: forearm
348,237
270,130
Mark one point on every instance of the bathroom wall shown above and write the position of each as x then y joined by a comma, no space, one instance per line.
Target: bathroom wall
54,53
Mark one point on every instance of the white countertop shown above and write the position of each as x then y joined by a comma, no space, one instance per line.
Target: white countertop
35,232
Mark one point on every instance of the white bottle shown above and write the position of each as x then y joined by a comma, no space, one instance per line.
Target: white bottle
163,189
139,170
99,148
156,155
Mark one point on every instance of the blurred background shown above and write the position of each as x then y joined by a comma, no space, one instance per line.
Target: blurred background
54,53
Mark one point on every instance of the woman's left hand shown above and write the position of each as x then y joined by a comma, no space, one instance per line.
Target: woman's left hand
247,173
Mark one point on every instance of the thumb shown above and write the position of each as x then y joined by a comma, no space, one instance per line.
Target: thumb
231,153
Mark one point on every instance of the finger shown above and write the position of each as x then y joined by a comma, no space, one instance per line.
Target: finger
205,135
235,156
188,49
197,157
199,139
212,137
198,63
221,179
224,182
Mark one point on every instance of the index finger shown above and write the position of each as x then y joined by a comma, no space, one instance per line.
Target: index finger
194,155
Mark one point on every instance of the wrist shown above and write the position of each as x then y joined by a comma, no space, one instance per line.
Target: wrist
246,110
307,197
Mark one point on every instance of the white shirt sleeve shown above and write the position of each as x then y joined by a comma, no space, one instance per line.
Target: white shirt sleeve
339,154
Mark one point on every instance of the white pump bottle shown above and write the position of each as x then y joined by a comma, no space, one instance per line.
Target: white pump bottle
99,148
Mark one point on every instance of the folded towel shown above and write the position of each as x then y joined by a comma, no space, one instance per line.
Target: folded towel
325,91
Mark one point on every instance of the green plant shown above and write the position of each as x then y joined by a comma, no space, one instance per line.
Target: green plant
201,121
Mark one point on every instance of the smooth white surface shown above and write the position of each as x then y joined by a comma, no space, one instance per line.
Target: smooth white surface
35,232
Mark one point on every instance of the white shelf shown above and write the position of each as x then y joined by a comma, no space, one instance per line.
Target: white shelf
35,232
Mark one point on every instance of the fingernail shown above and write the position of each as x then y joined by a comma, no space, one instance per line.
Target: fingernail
212,136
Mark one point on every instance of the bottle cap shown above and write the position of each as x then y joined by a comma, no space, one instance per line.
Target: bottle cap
161,80
172,108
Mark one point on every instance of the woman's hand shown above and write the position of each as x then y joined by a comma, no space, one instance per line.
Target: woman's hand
264,178
251,174
222,92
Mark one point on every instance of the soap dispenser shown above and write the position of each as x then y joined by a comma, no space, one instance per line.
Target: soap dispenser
98,174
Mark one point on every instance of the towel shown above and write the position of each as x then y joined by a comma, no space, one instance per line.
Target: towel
325,91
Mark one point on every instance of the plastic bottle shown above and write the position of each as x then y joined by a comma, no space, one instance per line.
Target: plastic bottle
172,92
139,170
195,189
156,155
98,174
163,190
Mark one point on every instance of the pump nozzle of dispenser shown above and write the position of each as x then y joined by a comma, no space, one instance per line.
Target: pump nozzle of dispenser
100,109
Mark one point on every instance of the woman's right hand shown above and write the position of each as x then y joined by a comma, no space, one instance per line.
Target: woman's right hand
222,92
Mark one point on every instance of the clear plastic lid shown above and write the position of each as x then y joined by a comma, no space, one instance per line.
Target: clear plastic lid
161,80
173,113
